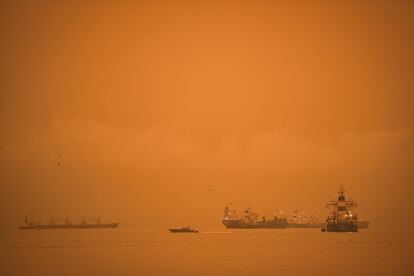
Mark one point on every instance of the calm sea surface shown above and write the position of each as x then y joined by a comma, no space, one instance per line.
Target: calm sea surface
137,251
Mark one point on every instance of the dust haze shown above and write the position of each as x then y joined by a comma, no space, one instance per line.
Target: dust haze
161,113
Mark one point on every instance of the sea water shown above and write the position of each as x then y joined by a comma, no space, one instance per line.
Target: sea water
212,251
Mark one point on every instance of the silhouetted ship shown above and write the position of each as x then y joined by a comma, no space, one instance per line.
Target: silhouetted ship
33,224
342,216
251,220
187,229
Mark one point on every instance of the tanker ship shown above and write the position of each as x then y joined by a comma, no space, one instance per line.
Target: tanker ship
33,224
251,220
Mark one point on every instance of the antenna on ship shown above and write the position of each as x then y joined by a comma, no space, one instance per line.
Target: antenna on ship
341,189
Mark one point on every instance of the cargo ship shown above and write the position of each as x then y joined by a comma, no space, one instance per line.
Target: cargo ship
33,224
342,215
249,219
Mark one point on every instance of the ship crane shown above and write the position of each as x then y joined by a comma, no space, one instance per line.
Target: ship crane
272,214
250,219
269,212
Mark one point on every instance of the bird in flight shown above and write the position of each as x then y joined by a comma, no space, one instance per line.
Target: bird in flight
59,162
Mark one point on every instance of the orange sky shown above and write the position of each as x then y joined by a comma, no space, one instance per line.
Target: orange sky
269,104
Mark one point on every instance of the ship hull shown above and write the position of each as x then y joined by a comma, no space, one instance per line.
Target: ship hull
182,231
266,224
306,225
68,226
342,228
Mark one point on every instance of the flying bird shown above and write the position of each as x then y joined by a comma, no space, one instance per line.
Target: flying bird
59,162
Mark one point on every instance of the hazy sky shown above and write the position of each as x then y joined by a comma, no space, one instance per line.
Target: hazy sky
151,104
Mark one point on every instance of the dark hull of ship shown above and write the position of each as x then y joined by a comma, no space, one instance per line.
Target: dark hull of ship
68,226
262,224
182,230
342,228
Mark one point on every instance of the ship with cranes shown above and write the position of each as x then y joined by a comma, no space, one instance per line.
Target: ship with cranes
342,218
301,219
251,220
31,223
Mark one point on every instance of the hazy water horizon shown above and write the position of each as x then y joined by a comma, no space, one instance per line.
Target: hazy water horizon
213,251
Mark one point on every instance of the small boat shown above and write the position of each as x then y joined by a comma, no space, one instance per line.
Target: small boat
187,229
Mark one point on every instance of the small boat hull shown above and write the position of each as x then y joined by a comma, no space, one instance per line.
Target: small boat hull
173,230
